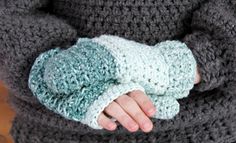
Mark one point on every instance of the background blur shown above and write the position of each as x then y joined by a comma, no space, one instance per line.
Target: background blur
6,116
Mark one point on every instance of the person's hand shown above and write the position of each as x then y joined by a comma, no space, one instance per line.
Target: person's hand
197,77
131,111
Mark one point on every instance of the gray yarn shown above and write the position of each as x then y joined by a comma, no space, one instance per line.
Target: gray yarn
28,28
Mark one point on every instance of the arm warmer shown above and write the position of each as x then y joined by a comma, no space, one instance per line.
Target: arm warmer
81,81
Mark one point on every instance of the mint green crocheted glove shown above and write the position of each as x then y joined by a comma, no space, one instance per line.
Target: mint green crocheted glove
79,82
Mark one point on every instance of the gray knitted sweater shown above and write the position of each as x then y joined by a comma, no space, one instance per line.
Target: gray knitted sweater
208,27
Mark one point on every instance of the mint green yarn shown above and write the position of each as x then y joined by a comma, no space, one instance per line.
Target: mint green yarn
71,70
167,106
67,82
79,82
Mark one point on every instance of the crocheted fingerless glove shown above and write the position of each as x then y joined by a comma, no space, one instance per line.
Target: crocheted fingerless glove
79,82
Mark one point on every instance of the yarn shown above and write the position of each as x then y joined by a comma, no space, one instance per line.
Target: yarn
81,81
207,115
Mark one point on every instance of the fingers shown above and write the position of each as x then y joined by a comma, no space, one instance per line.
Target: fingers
130,111
106,123
133,109
143,101
124,119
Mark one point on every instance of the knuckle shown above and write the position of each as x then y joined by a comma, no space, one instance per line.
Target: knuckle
122,99
109,108
140,92
126,102
138,115
134,95
124,118
130,103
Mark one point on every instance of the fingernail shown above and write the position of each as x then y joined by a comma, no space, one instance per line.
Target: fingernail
146,125
112,126
151,111
133,126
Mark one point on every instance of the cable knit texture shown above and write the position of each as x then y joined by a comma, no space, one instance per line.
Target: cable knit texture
80,82
31,27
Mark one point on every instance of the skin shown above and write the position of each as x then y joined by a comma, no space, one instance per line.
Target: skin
131,110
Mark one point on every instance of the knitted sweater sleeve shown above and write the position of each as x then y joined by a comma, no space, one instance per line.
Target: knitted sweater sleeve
213,43
26,31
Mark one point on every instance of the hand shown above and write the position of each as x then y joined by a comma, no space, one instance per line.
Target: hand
197,77
131,110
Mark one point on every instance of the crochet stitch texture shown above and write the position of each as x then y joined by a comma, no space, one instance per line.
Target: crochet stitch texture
81,81
31,27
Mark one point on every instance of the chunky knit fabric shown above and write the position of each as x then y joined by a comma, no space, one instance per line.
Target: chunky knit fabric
80,82
207,27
